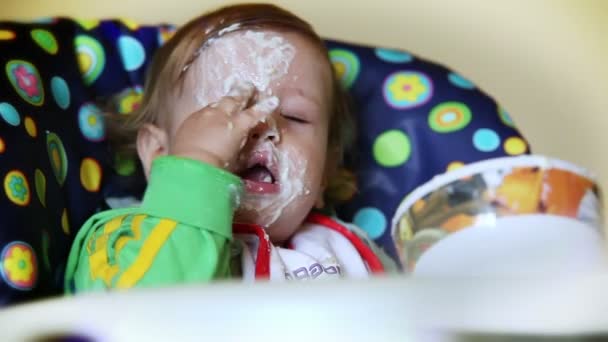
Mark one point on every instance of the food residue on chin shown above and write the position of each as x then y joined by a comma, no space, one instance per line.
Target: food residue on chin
268,208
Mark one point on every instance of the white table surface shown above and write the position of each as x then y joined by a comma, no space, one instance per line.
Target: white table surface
393,308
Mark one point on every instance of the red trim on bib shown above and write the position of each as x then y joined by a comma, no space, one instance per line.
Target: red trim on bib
372,260
262,260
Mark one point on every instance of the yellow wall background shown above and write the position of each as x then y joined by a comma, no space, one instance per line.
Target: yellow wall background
545,61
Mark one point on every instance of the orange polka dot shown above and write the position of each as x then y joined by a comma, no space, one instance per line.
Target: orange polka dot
7,35
2,146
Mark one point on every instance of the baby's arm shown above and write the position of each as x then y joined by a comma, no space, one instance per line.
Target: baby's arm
181,233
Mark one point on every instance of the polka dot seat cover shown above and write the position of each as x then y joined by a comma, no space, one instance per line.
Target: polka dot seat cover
416,120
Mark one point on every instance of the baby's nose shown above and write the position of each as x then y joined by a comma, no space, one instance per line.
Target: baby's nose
266,130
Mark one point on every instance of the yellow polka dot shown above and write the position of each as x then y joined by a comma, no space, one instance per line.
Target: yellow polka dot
6,35
2,146
130,24
515,146
65,224
88,24
30,127
90,174
455,165
84,61
340,69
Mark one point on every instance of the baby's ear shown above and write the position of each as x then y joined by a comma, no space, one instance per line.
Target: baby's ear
152,142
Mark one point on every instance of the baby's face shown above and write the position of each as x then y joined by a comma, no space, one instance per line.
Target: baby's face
283,162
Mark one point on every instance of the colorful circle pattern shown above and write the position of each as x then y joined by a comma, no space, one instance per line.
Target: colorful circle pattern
57,157
129,100
7,35
90,174
9,114
26,81
486,140
165,33
30,127
19,267
460,81
61,92
40,184
124,165
46,40
392,148
505,117
346,65
88,24
16,188
407,89
91,58
449,117
515,146
393,56
132,53
65,222
372,220
91,122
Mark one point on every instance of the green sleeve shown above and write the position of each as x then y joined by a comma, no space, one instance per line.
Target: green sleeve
181,233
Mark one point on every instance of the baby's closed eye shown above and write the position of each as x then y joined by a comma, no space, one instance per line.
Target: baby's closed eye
300,119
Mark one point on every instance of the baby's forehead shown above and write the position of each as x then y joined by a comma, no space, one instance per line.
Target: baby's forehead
273,61
240,41
259,57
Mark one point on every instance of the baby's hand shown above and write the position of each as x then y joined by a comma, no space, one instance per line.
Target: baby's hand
216,134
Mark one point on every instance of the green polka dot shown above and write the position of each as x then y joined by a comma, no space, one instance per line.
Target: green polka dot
392,148
45,40
45,250
125,166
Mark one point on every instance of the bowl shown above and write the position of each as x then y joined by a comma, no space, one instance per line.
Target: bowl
504,216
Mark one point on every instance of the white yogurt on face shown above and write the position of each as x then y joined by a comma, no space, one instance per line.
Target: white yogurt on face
260,58
226,63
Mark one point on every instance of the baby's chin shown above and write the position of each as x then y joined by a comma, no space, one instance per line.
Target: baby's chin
279,226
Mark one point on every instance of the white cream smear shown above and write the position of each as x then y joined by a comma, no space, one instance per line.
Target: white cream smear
253,57
224,67
266,209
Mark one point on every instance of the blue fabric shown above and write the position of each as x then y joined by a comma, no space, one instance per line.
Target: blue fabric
416,118
56,168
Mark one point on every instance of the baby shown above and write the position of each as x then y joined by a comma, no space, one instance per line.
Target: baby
241,129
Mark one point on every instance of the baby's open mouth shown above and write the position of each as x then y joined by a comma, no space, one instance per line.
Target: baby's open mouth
260,175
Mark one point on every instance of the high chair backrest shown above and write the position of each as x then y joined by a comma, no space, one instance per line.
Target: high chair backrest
416,119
